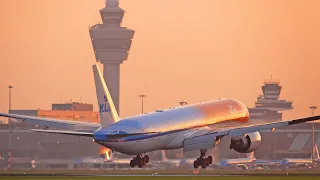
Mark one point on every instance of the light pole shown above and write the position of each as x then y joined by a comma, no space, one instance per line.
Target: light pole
142,96
312,155
182,103
9,123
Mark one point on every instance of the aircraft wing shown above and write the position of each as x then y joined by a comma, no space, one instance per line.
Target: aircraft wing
74,133
232,132
51,123
207,140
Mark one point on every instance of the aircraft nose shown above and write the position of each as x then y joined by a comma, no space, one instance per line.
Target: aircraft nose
100,135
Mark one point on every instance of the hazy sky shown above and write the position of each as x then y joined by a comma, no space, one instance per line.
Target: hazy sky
182,49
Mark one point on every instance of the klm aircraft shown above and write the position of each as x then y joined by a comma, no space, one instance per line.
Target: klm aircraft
192,127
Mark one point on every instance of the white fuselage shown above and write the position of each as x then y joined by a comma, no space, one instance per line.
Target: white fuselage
171,127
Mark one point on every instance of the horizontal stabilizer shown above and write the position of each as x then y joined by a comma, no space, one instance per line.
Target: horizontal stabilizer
74,133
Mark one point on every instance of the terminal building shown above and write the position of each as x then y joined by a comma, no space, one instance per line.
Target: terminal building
69,111
289,142
29,145
74,106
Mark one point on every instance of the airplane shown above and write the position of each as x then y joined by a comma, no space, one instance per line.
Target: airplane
238,161
301,162
222,164
250,160
266,163
192,127
289,162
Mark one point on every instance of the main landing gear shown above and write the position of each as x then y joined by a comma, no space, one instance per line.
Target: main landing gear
202,160
139,161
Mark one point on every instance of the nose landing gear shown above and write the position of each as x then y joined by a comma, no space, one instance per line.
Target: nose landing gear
139,161
202,160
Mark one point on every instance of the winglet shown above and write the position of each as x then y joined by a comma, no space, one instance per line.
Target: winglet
107,110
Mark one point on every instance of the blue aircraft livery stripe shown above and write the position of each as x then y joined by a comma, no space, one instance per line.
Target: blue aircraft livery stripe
106,138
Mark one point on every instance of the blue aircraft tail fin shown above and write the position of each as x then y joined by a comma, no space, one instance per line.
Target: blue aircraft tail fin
107,110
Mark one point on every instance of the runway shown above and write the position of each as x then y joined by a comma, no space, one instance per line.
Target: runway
158,173
112,175
148,175
154,177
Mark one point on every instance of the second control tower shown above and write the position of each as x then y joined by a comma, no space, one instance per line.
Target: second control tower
111,44
270,98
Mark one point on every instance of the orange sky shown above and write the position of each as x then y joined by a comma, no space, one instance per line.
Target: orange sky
193,50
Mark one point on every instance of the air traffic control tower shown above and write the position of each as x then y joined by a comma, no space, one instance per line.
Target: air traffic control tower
270,98
111,44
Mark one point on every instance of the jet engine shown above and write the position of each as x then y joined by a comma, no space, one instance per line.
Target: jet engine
247,143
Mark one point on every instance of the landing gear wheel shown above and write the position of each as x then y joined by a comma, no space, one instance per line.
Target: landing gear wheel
139,161
195,164
146,157
210,160
143,162
202,160
132,164
206,162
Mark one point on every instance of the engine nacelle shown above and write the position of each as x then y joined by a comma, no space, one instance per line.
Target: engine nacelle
247,143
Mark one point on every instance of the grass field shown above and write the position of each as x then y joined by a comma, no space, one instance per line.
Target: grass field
169,178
